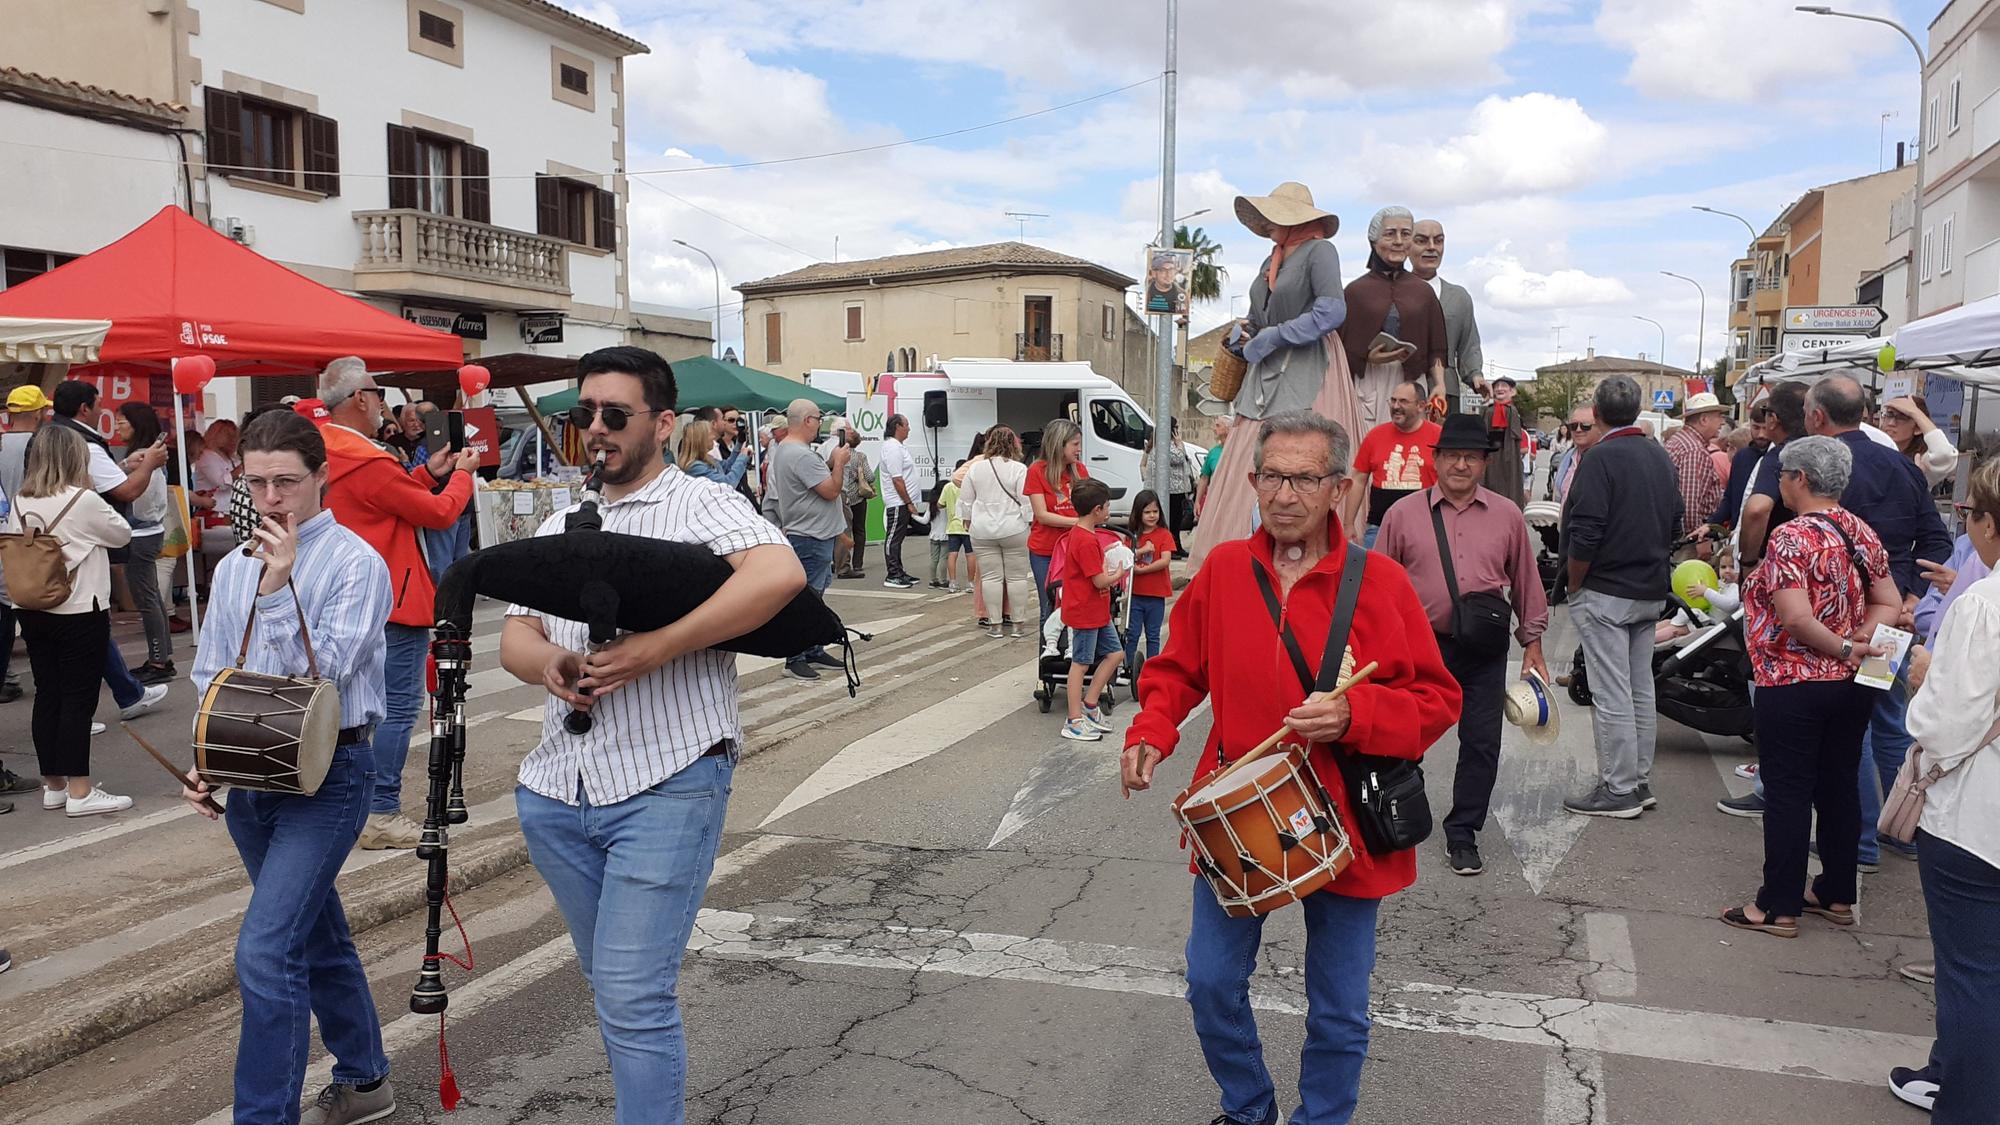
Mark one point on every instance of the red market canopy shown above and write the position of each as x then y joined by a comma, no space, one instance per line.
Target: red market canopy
173,287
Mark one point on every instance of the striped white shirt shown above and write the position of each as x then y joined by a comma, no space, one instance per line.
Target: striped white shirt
659,724
343,585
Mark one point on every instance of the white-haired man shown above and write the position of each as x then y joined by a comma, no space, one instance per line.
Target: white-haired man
370,493
804,494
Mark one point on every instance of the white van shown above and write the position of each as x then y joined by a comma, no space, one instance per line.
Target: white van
966,397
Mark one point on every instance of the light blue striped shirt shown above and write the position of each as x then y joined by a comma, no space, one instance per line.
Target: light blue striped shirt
344,587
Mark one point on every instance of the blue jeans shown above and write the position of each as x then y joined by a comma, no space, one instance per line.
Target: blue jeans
1368,537
1882,752
1148,614
125,691
816,556
1340,953
403,689
1962,896
1038,565
443,548
628,878
295,960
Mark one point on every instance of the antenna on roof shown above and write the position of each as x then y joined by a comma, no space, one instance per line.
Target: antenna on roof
1022,218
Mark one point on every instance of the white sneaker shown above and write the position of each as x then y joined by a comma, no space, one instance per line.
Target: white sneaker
99,728
147,701
1096,719
1080,730
97,802
53,799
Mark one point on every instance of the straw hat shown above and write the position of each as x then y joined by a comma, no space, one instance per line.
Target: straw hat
1532,707
1701,403
1289,204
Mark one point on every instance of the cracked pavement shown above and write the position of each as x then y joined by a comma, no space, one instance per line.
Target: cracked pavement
879,964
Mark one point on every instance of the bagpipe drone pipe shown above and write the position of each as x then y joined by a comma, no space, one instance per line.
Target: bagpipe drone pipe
612,583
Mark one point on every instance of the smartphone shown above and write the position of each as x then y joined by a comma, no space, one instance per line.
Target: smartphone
444,429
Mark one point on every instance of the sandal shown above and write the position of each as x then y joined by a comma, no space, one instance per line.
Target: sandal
1837,914
1738,917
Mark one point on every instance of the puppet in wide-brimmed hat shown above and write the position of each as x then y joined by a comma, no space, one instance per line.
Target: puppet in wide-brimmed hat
1290,204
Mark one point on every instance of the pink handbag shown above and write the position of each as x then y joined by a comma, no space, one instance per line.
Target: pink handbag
1903,805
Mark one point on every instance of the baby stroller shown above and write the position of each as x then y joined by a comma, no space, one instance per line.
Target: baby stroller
1545,520
1052,667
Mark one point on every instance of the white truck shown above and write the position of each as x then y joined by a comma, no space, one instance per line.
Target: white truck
963,398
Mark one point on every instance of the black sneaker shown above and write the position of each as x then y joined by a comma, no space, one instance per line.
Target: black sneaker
1646,798
6,961
150,673
1464,856
11,782
1916,1087
1601,801
10,691
825,659
5,808
1749,804
799,669
851,574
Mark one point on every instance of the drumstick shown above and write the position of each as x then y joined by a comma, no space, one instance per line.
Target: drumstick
1360,675
168,766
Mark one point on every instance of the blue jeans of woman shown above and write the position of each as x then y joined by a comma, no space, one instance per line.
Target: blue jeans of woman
628,878
1962,896
403,696
295,960
1038,565
1340,953
1148,614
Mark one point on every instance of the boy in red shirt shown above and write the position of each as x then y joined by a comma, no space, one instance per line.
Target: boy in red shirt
1086,611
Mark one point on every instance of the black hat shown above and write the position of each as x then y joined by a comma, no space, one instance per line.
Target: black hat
1465,431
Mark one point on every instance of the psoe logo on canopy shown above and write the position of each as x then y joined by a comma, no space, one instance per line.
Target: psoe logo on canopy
203,334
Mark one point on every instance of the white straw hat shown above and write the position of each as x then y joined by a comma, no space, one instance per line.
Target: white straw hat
1532,707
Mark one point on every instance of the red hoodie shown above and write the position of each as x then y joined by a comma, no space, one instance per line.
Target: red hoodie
371,495
1221,644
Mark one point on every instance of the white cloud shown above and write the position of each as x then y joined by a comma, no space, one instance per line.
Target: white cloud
1738,50
1531,144
1511,285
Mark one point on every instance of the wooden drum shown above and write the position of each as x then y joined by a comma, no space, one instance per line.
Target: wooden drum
1264,832
275,734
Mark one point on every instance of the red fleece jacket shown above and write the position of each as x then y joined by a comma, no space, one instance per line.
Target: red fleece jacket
371,494
1221,644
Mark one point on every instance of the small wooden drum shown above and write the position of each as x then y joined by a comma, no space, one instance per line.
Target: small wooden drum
275,734
1264,832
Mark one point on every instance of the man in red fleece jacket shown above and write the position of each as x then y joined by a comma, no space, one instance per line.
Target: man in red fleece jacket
1222,644
371,494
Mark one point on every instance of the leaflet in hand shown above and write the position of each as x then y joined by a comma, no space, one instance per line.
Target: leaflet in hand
1880,671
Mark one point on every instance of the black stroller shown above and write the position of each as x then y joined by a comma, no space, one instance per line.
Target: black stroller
1052,667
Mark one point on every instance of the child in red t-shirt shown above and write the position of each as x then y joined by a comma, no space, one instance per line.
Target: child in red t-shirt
1086,611
1152,553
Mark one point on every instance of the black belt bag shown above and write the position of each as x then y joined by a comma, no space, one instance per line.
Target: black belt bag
1392,813
1479,620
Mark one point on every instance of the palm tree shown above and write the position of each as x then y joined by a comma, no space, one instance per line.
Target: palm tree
1206,283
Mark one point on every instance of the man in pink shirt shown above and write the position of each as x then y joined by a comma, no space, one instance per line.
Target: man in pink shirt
1491,567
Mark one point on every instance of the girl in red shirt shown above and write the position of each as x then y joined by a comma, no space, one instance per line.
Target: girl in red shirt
1049,482
1152,554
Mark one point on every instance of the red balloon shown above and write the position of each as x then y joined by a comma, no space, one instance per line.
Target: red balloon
472,378
192,373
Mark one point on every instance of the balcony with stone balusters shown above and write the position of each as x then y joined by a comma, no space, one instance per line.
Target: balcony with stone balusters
413,253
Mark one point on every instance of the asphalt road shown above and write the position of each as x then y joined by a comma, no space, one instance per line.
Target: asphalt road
931,908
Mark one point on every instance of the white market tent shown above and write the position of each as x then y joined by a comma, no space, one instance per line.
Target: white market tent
38,340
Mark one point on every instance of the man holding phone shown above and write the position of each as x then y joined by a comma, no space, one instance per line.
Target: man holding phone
371,493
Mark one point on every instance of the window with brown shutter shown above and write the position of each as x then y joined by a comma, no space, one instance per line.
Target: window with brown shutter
574,78
475,189
548,205
854,322
605,212
403,170
437,29
225,129
267,142
322,153
774,344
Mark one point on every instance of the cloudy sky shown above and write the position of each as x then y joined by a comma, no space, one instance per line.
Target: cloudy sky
1561,142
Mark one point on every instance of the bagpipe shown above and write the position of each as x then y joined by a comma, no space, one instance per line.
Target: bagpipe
610,582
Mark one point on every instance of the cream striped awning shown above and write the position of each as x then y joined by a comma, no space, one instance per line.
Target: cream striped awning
34,340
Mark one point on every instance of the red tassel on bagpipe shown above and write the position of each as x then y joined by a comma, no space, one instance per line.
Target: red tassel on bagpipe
448,1094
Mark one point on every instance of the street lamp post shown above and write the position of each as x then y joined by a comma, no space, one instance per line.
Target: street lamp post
1163,370
1701,325
1923,128
1659,358
717,270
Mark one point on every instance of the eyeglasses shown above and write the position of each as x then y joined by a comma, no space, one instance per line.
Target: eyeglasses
284,486
583,414
1305,484
1967,511
1579,427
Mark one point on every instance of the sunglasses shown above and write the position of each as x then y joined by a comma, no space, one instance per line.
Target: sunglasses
615,417
1579,427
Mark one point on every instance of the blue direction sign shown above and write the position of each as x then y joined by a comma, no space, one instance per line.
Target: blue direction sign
1663,400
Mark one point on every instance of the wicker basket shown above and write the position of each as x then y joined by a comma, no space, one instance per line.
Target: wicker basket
1225,378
